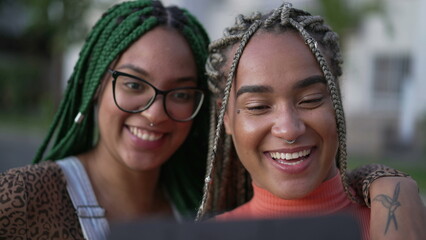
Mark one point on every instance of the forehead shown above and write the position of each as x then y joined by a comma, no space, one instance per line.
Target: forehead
160,37
161,46
276,56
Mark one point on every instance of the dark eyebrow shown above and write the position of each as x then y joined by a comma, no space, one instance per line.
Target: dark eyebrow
310,81
134,68
254,89
267,89
146,74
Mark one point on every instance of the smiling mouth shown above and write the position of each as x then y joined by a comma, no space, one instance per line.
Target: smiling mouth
145,135
290,158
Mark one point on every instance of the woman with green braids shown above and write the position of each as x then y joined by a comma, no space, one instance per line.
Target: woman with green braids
129,137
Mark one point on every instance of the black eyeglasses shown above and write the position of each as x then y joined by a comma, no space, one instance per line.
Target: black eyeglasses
135,95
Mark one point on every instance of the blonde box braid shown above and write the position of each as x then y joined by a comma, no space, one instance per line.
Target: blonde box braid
74,124
318,37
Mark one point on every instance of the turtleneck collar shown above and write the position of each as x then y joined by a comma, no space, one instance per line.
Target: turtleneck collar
328,198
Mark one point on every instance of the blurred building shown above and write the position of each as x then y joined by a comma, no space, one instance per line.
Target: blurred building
383,86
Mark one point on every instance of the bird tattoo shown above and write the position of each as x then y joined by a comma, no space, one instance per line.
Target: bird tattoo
391,204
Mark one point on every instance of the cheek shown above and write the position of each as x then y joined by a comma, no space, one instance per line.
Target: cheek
107,109
324,124
329,127
249,132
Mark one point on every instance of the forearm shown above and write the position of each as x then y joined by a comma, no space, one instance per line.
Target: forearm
397,211
363,177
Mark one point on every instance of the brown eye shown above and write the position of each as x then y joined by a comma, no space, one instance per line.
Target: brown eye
133,85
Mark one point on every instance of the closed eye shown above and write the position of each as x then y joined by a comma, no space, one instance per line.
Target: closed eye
257,109
311,102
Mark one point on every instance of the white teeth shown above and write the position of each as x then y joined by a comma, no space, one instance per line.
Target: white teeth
144,135
290,163
289,156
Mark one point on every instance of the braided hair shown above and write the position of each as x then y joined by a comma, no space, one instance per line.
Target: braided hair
224,191
74,125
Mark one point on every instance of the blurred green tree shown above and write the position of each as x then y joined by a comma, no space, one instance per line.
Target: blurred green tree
345,16
34,35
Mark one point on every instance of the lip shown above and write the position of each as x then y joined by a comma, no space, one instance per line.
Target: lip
299,160
141,137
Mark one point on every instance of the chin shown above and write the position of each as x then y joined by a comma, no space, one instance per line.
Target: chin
141,165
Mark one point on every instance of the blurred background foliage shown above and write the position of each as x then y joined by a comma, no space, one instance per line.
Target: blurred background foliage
34,35
345,18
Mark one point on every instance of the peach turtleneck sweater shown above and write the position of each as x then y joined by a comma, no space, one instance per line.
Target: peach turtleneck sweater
328,198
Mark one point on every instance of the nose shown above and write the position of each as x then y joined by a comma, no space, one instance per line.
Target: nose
288,125
155,113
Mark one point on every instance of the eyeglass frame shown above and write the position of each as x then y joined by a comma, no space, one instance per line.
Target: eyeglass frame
115,74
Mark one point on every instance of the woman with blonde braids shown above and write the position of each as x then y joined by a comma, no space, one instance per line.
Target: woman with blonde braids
275,79
124,134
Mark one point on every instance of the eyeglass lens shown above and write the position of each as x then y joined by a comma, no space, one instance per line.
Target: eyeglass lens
134,95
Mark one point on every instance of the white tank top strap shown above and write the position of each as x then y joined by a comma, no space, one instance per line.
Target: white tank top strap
91,216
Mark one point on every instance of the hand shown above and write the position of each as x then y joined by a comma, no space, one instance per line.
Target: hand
397,211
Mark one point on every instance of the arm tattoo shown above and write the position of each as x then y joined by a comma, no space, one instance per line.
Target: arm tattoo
391,204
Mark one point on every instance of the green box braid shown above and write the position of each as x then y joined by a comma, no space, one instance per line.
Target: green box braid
74,125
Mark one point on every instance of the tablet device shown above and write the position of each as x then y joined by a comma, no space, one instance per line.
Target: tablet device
319,228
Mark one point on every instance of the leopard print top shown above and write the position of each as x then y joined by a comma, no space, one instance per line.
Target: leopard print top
34,204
